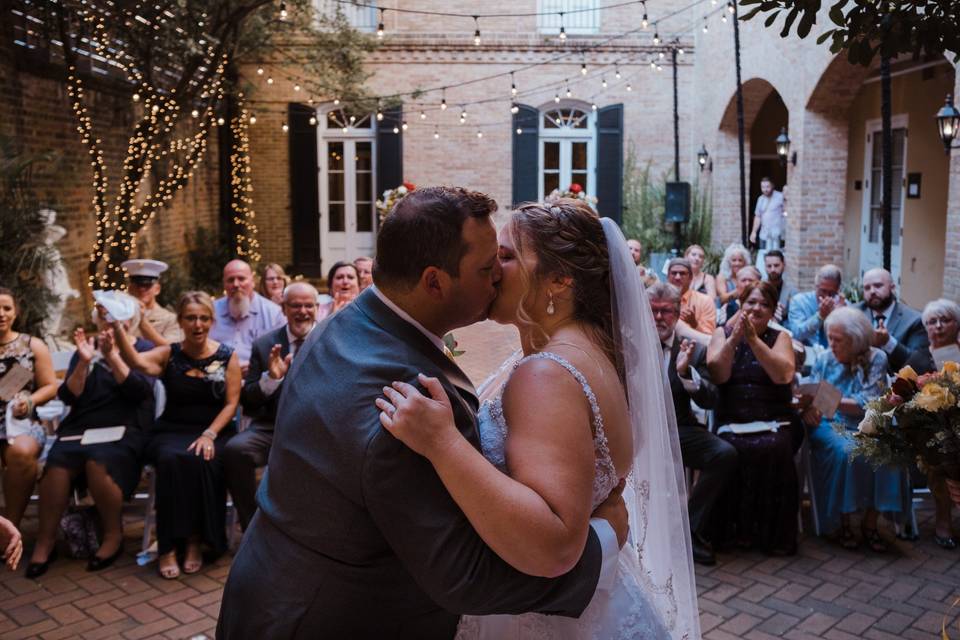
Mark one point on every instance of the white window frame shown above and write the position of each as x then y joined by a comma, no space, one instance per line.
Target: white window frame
361,18
874,129
586,20
354,243
566,136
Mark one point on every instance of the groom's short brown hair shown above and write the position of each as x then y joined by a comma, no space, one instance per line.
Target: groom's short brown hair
425,229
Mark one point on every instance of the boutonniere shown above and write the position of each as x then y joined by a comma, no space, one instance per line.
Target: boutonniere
451,343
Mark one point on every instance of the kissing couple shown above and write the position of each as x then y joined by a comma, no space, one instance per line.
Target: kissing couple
400,502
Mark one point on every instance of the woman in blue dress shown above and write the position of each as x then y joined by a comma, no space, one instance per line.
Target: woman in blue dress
846,485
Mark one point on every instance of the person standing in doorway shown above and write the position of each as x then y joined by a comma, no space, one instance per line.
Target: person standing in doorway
768,222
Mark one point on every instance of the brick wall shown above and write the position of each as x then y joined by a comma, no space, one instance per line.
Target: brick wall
36,114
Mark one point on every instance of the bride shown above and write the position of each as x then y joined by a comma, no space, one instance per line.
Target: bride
584,406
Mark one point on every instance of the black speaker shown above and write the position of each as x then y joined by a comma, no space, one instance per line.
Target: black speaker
677,206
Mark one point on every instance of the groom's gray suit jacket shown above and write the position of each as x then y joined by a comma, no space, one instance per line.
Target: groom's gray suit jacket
356,536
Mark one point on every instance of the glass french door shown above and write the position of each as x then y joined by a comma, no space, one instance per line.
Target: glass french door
871,231
565,162
347,199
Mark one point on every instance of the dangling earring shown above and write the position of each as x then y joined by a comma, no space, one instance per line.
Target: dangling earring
550,308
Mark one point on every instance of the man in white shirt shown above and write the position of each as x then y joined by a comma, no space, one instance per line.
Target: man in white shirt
270,357
768,222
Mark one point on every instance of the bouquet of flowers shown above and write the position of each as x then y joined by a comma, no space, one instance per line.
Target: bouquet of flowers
392,197
916,421
574,191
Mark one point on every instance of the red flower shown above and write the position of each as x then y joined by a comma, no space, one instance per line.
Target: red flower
410,186
904,388
575,188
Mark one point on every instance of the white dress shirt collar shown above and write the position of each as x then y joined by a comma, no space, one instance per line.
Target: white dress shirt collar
437,341
291,339
885,312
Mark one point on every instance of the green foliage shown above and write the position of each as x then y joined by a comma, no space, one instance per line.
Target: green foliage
913,27
202,271
25,259
643,210
852,290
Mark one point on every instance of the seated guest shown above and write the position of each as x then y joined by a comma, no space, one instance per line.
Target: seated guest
269,361
844,485
734,258
158,324
897,328
808,310
702,281
774,263
343,282
942,321
242,315
101,391
716,459
364,265
273,280
697,311
647,276
745,277
21,450
753,366
202,380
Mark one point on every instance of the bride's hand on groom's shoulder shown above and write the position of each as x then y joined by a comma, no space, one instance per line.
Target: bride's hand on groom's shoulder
425,424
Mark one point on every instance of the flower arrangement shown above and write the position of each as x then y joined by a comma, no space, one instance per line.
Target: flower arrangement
574,191
916,421
392,197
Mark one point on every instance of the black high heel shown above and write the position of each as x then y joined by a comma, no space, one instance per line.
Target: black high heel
97,564
37,569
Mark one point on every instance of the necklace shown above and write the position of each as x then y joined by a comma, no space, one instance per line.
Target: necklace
13,339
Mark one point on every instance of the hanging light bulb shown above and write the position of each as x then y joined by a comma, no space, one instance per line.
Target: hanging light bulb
730,7
705,27
221,121
296,87
283,10
659,67
443,105
396,129
284,127
403,125
135,97
653,65
380,26
603,82
253,119
336,101
479,134
514,108
556,98
723,18
463,115
423,115
583,68
563,32
513,86
270,80
476,32
195,113
656,38
629,88
379,115
519,131
344,129
662,54
644,23
313,121
436,133
594,106
680,51
616,71
569,93
259,71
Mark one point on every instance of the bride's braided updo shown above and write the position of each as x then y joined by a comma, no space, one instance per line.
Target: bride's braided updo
568,240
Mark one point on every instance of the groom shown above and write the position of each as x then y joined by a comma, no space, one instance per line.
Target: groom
356,536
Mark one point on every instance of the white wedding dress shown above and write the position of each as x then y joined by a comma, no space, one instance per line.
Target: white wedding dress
621,613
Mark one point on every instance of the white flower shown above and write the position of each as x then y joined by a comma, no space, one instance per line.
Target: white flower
402,190
868,426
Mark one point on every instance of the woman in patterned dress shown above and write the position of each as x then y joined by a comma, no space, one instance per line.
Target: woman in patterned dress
202,381
21,452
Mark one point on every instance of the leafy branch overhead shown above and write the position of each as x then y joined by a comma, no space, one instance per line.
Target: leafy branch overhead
864,28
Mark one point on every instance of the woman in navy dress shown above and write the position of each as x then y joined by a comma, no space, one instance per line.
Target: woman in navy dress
753,366
202,381
845,485
101,391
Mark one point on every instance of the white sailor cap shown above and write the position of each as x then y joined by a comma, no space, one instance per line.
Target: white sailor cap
144,269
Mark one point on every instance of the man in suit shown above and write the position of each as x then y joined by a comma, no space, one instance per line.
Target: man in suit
716,459
270,358
356,536
897,328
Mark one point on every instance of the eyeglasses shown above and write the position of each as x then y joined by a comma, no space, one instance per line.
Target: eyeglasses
664,311
939,322
301,307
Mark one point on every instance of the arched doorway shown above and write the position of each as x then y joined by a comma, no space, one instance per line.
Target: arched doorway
764,162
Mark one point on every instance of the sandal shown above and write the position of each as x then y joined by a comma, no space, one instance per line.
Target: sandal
949,542
168,571
193,563
847,539
873,540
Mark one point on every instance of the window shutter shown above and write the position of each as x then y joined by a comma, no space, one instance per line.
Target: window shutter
389,150
526,168
610,162
304,194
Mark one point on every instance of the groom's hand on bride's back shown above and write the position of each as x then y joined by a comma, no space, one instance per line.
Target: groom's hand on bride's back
614,511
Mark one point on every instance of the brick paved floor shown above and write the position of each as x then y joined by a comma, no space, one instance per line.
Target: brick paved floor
823,592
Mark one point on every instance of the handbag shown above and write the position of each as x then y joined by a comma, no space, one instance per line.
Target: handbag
79,527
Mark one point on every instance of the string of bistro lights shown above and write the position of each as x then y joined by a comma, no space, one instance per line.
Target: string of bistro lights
564,86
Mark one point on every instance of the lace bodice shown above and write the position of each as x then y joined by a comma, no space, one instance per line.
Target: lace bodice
493,429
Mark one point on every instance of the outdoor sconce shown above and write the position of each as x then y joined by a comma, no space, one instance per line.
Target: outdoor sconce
948,121
703,158
783,148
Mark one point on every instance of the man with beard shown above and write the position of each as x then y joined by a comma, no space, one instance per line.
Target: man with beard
897,328
269,362
774,265
685,362
242,315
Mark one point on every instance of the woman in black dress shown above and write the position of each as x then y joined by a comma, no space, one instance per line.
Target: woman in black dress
753,366
101,391
202,381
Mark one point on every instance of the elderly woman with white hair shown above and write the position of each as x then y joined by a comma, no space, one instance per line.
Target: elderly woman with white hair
845,485
735,258
101,391
941,318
